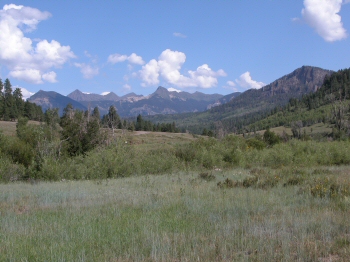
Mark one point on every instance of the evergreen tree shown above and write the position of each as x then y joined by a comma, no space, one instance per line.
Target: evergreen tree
1,99
52,120
18,101
79,134
139,123
111,119
96,113
9,110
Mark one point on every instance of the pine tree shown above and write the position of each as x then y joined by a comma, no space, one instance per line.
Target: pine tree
19,103
96,113
139,123
1,99
9,110
79,134
113,119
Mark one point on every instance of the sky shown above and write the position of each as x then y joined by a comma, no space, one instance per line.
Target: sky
208,46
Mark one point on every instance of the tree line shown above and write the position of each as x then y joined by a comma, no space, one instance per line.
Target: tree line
12,105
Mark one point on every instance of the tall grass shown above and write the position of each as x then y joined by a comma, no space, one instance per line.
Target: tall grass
177,217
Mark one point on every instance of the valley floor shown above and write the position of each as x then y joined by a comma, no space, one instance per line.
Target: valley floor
177,217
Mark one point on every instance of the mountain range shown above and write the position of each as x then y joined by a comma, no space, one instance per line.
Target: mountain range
253,103
201,110
161,101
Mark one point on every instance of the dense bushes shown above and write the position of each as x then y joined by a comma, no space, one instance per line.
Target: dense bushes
22,158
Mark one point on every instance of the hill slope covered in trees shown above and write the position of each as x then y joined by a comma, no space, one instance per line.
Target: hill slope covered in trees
253,104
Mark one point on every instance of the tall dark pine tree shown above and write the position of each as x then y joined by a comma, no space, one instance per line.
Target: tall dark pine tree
18,101
96,113
1,99
113,118
9,105
139,123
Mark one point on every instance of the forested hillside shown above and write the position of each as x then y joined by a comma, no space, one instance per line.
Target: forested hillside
329,104
252,105
12,105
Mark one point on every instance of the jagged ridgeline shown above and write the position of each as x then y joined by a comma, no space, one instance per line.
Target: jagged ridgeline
12,105
253,104
161,101
329,104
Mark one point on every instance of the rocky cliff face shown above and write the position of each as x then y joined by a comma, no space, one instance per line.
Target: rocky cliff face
79,96
302,80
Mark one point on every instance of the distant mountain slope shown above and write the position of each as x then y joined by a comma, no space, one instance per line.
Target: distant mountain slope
301,81
79,96
161,101
51,99
254,102
224,99
329,104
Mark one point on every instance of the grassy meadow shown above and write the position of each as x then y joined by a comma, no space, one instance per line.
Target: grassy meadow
177,217
150,196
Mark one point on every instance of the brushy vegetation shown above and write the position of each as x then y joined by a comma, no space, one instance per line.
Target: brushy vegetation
124,157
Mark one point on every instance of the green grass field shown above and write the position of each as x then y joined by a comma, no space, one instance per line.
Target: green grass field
175,217
207,200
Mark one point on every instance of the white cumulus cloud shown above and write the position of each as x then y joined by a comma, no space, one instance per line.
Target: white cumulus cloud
171,89
50,77
168,67
246,81
28,75
231,86
150,73
133,59
323,16
231,83
17,52
87,70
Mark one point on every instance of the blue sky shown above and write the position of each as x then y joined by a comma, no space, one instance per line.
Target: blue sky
136,46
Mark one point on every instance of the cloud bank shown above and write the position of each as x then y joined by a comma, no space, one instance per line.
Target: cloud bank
26,62
132,59
246,81
322,15
168,67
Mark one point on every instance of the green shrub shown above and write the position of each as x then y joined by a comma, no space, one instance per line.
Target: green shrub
186,153
256,143
10,172
20,152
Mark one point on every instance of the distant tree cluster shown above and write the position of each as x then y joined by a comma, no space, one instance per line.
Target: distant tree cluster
144,125
112,120
12,105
